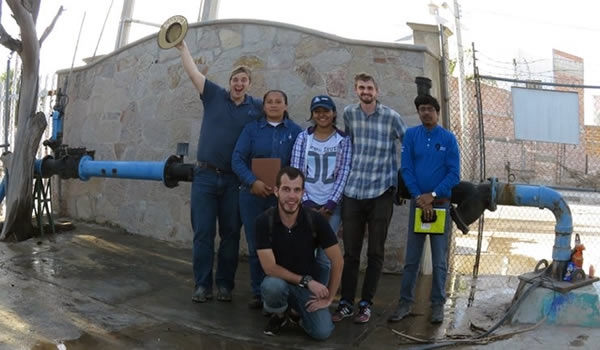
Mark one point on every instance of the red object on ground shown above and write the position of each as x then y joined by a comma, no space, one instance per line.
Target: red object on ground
577,257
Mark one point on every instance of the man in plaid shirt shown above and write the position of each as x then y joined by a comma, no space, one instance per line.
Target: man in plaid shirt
368,196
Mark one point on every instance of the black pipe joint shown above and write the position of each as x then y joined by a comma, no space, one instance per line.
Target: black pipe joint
176,170
65,163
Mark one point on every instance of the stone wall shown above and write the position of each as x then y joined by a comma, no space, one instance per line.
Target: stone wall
138,103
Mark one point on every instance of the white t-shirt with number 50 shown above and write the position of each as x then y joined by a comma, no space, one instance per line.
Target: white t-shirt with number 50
320,172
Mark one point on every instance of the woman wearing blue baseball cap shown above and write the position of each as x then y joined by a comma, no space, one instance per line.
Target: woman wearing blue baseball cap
323,153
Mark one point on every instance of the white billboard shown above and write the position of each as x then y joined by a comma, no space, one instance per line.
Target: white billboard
546,115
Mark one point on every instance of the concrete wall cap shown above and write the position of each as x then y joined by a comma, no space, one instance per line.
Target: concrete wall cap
378,44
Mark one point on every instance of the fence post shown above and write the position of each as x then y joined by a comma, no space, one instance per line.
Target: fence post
481,158
7,104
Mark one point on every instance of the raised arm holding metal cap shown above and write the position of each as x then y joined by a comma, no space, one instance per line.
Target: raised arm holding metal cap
214,193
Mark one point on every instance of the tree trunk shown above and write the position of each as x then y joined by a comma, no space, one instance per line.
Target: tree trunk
19,201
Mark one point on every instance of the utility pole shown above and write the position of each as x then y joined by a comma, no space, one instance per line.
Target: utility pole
209,9
461,66
125,23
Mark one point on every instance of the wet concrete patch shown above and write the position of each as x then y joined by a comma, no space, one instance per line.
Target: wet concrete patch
160,336
99,288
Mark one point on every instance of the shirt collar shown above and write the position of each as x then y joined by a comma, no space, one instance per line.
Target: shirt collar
262,122
244,102
435,129
311,130
299,219
378,109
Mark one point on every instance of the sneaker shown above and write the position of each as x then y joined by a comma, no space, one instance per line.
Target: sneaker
255,302
275,325
404,308
364,312
201,295
223,294
343,310
293,316
437,313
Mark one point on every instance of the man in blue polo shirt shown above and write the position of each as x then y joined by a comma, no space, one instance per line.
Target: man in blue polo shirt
215,186
430,168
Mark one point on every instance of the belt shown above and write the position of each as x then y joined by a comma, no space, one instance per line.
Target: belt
207,165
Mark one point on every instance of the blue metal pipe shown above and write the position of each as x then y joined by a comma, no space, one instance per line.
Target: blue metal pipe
121,169
2,189
56,125
37,167
544,198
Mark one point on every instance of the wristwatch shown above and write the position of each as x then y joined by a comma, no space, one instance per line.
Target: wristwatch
433,194
304,281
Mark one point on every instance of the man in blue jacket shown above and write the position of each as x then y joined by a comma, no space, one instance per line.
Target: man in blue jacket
430,168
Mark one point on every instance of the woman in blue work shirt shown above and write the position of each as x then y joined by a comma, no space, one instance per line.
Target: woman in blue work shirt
270,136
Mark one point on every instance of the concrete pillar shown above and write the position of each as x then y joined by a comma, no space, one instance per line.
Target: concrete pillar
427,35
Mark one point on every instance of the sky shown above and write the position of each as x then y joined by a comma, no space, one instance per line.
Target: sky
524,30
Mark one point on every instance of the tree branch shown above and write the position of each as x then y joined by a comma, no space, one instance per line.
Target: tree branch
8,41
29,41
35,9
51,26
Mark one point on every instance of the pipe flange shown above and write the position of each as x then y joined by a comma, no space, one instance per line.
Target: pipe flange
168,181
492,203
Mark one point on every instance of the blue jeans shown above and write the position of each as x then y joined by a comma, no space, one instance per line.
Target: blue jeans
414,251
251,207
323,263
277,293
215,197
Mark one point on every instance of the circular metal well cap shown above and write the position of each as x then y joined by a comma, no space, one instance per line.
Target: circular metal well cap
172,32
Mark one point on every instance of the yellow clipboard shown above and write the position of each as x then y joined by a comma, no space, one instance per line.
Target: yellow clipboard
437,227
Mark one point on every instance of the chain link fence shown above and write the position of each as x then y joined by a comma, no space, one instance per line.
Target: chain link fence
9,85
511,240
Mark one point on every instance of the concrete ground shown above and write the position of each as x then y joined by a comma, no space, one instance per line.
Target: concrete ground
101,288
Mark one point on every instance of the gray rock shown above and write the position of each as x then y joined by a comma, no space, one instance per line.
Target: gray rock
330,59
229,39
309,75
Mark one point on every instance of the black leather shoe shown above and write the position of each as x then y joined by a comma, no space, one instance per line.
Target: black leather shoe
255,303
404,308
224,294
201,295
437,314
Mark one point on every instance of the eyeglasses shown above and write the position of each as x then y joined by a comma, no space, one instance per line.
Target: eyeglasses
426,109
